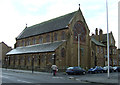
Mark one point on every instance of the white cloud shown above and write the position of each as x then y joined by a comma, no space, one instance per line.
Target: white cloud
15,16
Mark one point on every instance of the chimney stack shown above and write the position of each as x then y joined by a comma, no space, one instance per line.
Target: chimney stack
96,31
100,32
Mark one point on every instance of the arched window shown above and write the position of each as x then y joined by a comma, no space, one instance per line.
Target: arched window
34,41
55,37
29,59
23,43
47,38
40,39
42,58
63,52
63,35
79,28
36,58
28,42
50,58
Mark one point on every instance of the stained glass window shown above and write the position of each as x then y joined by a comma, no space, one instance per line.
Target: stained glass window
34,41
28,58
50,58
28,42
42,58
63,35
40,39
47,38
79,29
55,36
23,43
63,52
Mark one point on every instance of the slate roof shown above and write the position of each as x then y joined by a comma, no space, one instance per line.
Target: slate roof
46,47
104,37
97,42
47,26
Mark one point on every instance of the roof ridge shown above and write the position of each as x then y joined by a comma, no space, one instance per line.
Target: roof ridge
57,23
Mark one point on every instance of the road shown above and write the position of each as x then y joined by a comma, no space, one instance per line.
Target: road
10,77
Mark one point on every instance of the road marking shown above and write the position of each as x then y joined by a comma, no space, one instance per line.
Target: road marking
57,77
24,81
4,77
6,73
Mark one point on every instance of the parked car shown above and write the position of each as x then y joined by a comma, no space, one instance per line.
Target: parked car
96,69
116,69
75,70
106,69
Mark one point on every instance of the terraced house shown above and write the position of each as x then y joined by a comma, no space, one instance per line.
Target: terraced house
102,38
56,42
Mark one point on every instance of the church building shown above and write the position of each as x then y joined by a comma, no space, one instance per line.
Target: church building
53,42
64,41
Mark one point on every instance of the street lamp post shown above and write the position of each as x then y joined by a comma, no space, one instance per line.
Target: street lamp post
79,50
53,58
107,39
32,64
6,63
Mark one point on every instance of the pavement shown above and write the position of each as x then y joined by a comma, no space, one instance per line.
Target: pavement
100,79
88,78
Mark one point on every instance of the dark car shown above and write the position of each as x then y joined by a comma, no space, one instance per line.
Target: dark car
75,70
96,69
116,69
106,69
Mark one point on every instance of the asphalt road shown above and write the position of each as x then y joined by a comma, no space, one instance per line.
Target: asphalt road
13,77
17,78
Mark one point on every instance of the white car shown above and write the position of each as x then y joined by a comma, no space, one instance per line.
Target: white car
106,68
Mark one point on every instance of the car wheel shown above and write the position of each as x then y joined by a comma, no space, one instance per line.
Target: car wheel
68,73
95,72
84,73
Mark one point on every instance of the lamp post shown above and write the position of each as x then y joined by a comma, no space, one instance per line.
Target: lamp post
79,34
6,62
32,64
79,50
107,39
53,58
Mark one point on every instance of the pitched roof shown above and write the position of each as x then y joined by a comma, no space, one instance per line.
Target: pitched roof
47,26
46,47
105,37
97,42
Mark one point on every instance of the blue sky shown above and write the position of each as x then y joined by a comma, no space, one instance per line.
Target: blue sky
16,13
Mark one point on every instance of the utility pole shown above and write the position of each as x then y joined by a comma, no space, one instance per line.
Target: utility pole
107,39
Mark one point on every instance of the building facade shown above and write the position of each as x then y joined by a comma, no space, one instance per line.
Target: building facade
118,57
97,53
102,38
3,50
62,41
52,42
